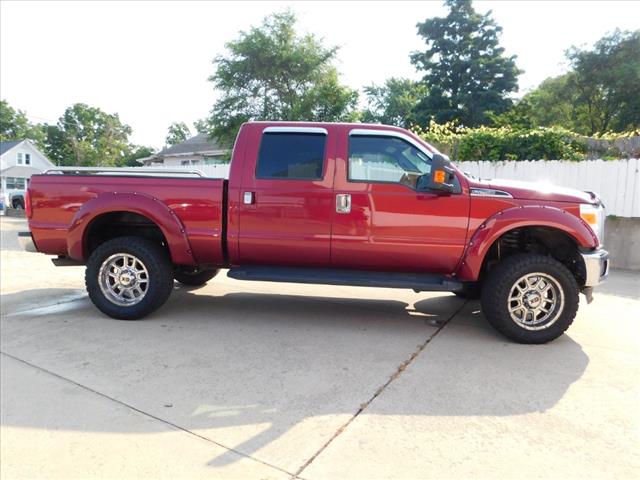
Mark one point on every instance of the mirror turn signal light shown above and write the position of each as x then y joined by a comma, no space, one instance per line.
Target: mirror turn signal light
439,176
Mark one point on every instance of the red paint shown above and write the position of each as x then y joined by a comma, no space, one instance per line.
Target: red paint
393,227
503,220
294,222
289,222
64,206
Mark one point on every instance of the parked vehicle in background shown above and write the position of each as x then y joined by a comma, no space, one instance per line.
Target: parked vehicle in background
339,204
15,199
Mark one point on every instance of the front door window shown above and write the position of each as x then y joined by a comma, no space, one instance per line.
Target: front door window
386,160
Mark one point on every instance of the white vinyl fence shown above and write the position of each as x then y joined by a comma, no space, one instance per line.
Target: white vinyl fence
616,181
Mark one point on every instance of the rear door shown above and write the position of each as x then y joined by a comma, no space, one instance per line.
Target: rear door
286,198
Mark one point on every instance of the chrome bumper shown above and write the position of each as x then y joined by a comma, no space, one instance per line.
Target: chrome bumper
596,266
26,242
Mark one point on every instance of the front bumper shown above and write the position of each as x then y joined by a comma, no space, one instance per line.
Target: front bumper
26,242
596,266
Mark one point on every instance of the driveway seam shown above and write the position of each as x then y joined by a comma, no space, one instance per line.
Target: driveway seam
363,406
73,299
142,412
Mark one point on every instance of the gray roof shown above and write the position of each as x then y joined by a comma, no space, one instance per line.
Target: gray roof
6,146
198,144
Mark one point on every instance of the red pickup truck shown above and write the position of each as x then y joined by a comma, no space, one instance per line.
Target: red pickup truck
326,203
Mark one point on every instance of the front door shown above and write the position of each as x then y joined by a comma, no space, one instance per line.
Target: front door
389,224
286,203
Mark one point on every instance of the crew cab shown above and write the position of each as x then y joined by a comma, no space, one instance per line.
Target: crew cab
326,203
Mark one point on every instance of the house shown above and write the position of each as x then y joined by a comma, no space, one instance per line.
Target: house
198,150
19,159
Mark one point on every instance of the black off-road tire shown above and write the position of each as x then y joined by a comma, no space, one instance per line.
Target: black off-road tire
195,279
160,276
469,291
18,204
500,281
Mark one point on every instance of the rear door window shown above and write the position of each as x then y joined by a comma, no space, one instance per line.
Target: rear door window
292,156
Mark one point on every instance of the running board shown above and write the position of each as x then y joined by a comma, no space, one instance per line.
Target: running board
420,282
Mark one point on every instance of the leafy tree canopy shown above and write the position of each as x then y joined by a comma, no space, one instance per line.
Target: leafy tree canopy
599,95
273,73
135,153
178,132
606,81
14,125
201,125
552,103
87,136
394,102
464,67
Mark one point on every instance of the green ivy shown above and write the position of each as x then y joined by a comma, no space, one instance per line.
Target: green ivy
504,143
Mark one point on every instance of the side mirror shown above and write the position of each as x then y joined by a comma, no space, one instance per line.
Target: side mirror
441,177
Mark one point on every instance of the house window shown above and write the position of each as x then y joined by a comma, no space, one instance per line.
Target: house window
184,162
14,183
214,160
27,159
195,162
19,158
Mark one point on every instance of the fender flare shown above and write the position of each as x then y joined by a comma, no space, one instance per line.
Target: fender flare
134,202
516,217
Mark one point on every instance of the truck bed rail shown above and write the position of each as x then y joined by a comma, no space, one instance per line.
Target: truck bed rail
138,171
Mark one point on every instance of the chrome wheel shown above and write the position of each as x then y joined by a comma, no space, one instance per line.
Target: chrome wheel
123,279
535,301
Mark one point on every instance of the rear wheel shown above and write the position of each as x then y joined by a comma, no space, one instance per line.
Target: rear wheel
196,278
18,203
530,298
129,277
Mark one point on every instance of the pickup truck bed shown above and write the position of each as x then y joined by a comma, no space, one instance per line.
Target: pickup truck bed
189,211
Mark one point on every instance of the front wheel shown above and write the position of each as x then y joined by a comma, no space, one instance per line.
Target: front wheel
530,298
129,277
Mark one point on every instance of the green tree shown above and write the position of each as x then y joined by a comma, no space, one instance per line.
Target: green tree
87,136
201,125
273,73
465,68
553,103
178,132
136,152
607,82
598,95
14,125
393,103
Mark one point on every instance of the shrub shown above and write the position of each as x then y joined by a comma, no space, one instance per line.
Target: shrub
504,143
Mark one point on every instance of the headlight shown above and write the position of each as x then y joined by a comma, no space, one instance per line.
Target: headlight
594,216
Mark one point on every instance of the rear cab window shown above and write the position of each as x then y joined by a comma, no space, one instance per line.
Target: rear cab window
291,155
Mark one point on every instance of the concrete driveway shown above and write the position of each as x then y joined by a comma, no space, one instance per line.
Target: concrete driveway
262,380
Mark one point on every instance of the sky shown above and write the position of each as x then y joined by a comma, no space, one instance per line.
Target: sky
149,61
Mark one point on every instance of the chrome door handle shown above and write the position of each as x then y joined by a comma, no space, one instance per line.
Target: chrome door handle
343,203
